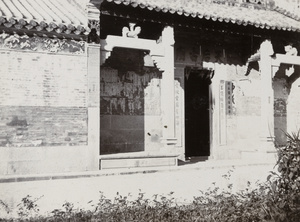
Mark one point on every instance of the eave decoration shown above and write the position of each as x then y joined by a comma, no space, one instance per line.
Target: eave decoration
35,43
43,26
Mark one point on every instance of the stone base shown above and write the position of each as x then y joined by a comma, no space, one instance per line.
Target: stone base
128,160
259,156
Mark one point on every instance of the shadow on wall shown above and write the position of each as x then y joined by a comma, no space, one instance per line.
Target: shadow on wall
130,94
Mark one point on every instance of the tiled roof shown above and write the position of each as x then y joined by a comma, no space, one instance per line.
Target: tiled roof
249,14
60,16
70,17
288,13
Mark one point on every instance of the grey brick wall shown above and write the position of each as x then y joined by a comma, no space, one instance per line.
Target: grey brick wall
43,99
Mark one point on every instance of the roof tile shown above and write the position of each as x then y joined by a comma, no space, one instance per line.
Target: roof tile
69,15
51,15
242,14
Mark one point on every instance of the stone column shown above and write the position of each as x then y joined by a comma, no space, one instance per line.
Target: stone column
93,76
267,97
93,106
167,88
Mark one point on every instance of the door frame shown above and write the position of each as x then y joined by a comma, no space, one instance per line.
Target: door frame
210,111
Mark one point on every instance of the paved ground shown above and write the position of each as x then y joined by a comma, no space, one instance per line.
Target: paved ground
185,181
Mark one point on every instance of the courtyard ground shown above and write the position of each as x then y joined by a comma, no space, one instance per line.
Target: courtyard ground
83,188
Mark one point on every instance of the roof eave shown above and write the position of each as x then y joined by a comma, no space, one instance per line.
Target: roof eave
21,25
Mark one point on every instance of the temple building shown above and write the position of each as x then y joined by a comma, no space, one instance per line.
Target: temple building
101,84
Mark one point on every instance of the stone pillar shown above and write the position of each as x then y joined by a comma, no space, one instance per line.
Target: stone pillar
93,106
93,76
267,97
167,88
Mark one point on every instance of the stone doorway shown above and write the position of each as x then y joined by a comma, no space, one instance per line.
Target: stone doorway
197,123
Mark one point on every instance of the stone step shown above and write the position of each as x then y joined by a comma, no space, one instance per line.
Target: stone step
134,160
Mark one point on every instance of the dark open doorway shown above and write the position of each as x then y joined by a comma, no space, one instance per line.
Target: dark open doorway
197,129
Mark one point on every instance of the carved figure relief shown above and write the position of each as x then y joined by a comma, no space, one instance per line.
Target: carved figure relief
290,50
131,32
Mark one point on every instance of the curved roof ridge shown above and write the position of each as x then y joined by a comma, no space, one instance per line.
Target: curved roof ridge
288,13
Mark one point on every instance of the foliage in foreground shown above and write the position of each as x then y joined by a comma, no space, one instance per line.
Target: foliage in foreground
278,199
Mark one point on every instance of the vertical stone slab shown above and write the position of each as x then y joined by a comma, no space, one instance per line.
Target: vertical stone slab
179,112
267,100
93,106
168,88
222,113
93,56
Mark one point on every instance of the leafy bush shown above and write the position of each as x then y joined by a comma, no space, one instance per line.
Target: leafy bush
286,185
276,200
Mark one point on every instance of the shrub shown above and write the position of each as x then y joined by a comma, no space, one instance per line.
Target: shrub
276,200
287,183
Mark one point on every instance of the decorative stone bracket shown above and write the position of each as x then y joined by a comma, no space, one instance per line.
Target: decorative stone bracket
156,50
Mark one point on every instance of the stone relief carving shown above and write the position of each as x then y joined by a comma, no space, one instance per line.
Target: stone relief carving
36,43
132,32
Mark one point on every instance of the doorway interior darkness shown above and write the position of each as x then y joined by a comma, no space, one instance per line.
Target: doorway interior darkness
197,130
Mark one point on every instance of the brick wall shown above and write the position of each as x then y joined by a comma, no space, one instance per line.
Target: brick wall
42,98
41,79
42,126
